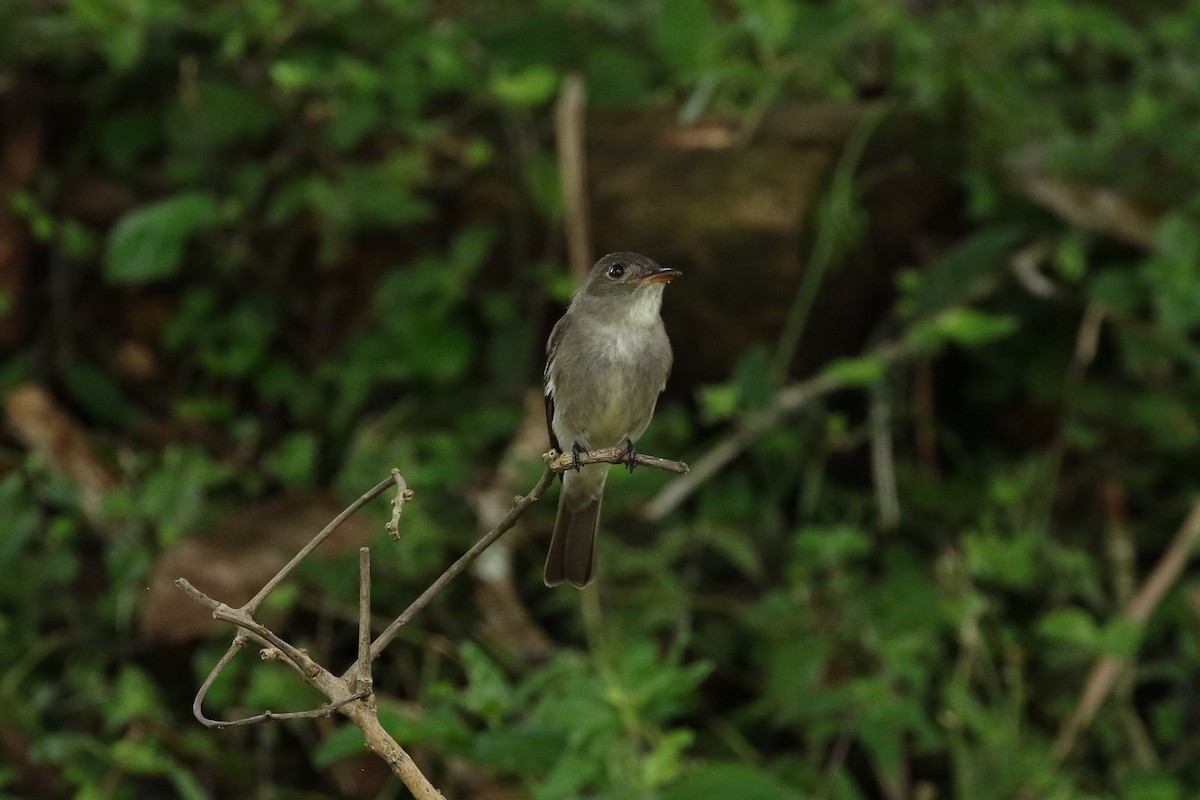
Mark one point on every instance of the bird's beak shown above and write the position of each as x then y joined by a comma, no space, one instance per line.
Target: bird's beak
661,275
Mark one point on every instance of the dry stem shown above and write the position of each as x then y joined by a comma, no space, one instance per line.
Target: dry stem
352,694
1106,670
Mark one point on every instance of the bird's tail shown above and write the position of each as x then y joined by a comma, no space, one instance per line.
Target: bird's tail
572,556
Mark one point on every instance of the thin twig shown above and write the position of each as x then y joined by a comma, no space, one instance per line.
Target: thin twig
239,641
243,620
403,495
358,704
883,464
572,169
464,561
365,681
1122,558
256,601
1089,207
1106,670
554,465
347,696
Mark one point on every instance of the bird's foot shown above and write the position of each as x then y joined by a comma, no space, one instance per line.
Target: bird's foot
630,453
575,451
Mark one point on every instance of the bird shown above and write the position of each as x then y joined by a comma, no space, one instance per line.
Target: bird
607,360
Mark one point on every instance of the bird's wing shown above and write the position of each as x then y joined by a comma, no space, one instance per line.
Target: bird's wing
556,336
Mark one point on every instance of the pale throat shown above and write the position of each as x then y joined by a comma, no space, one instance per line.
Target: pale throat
643,308
627,331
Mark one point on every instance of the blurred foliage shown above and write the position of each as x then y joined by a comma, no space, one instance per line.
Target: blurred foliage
223,182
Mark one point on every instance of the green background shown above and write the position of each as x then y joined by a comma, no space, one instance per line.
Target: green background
330,233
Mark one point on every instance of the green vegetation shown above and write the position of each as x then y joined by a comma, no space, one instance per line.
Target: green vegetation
269,247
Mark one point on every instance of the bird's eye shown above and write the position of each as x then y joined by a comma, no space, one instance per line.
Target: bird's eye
616,271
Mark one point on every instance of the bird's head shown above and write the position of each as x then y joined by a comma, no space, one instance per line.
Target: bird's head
625,282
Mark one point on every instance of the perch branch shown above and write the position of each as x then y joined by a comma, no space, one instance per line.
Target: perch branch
1106,670
555,464
352,694
562,462
464,561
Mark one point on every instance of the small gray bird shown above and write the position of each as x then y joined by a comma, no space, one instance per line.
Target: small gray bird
607,360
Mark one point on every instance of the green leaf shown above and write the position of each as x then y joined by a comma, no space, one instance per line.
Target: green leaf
1119,288
861,371
525,749
1071,258
345,742
294,460
186,785
141,756
736,546
1121,637
440,724
664,762
960,273
1147,784
1010,560
488,693
730,780
615,75
528,87
135,697
964,326
1070,626
687,35
147,243
828,547
1173,273
99,393
718,402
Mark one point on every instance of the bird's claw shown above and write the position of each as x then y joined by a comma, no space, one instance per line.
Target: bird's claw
630,453
575,451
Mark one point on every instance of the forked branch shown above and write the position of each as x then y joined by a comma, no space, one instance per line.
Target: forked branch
352,694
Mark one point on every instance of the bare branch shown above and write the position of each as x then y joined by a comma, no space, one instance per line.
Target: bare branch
242,619
403,495
562,462
1092,208
352,694
1106,670
555,464
464,561
239,641
256,601
883,460
364,679
381,743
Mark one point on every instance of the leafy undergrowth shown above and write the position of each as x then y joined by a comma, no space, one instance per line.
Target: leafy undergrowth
270,248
